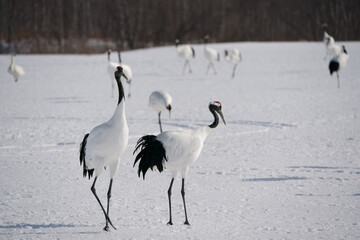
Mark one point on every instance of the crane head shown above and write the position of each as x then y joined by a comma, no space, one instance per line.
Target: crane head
119,72
216,106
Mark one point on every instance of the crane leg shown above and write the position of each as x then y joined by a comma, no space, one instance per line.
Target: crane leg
212,64
183,197
112,88
169,196
207,69
185,64
106,228
338,79
160,121
129,94
233,73
190,71
93,190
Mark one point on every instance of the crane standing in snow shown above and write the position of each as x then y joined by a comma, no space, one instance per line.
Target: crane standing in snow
185,52
233,57
176,151
104,145
338,62
15,70
160,101
210,54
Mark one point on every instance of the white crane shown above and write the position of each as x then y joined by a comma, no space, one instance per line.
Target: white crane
112,66
185,52
127,72
175,151
160,101
15,70
234,57
104,145
338,62
210,54
332,50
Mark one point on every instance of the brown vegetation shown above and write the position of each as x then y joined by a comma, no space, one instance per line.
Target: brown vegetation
60,26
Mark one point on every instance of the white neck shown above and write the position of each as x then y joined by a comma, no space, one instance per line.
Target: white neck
119,114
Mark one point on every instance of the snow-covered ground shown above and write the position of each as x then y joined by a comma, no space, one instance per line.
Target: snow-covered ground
286,165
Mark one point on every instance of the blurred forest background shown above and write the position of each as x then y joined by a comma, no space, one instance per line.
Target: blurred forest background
91,26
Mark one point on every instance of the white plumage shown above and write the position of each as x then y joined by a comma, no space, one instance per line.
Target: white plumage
338,62
160,101
210,54
332,50
15,70
185,52
128,72
111,68
234,57
104,146
175,150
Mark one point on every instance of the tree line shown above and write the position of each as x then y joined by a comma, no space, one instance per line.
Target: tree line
89,26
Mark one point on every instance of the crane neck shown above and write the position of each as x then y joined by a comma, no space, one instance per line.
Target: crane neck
120,88
216,117
119,56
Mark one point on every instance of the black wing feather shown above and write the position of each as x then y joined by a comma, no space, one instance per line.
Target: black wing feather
152,153
82,158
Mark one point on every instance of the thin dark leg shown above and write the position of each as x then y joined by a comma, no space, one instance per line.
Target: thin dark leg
190,71
207,69
186,62
169,196
183,196
160,121
233,73
212,64
129,94
106,228
93,190
338,80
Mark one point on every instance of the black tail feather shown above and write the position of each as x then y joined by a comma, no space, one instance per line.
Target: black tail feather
333,66
152,153
82,158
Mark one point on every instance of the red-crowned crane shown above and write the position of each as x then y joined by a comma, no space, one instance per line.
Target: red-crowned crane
160,101
15,70
338,62
185,52
104,146
210,54
111,68
234,57
175,150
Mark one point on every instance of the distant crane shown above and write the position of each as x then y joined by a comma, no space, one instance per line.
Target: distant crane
185,52
15,70
332,50
210,54
175,151
104,146
160,101
111,68
234,57
338,62
127,72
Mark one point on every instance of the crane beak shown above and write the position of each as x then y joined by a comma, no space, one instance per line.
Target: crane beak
169,108
122,74
222,116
